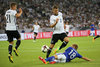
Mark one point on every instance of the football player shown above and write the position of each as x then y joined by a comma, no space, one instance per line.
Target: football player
11,29
69,54
56,22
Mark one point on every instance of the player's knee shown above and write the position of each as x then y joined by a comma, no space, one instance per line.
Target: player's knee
11,42
66,39
56,57
19,38
52,45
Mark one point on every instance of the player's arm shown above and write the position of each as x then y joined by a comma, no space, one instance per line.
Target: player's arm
85,58
33,28
64,26
52,25
20,12
39,28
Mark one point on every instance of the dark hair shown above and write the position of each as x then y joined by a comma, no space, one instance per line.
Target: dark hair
76,46
13,4
55,7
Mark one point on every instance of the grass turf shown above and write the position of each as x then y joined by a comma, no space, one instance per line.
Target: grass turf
29,52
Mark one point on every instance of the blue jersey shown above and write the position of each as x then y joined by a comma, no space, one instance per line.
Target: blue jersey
92,27
71,53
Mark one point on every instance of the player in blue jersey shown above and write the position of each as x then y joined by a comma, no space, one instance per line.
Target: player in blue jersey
92,30
69,54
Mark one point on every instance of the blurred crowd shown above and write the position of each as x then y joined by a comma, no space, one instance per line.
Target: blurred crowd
79,13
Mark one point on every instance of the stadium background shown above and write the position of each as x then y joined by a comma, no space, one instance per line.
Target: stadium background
79,14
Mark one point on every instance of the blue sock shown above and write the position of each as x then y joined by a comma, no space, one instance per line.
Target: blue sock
90,34
50,58
93,34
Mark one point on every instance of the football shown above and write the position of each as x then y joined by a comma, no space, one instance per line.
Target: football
44,48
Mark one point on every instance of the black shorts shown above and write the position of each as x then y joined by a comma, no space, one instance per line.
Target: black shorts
36,33
56,37
67,33
12,34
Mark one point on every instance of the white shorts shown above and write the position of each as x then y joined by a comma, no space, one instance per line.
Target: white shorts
61,58
92,32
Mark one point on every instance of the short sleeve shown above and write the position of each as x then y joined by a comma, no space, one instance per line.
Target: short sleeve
51,20
79,56
14,12
98,23
38,26
33,25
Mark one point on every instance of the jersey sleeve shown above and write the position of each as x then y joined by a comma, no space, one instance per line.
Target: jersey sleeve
79,56
51,20
14,13
39,26
33,25
98,23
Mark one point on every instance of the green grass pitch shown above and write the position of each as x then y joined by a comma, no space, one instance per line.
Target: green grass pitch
29,52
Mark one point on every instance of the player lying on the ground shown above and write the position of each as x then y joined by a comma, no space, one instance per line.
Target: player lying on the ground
69,54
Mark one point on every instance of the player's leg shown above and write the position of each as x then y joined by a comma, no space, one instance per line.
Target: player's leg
54,39
43,60
49,59
35,34
65,42
18,37
90,33
94,33
10,51
49,50
60,58
97,37
67,33
10,40
64,39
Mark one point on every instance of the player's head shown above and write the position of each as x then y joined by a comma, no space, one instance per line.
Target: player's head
66,22
92,22
55,10
13,6
75,46
36,23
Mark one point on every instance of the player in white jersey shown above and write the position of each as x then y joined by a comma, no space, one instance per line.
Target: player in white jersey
36,28
56,22
99,34
67,28
11,30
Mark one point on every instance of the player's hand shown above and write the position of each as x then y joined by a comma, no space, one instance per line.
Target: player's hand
20,10
57,20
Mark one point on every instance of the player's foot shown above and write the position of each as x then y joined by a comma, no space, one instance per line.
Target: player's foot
16,52
53,62
43,60
56,50
10,58
93,39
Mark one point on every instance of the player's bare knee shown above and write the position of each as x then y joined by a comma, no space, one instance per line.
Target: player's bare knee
66,39
19,38
51,46
11,42
56,57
